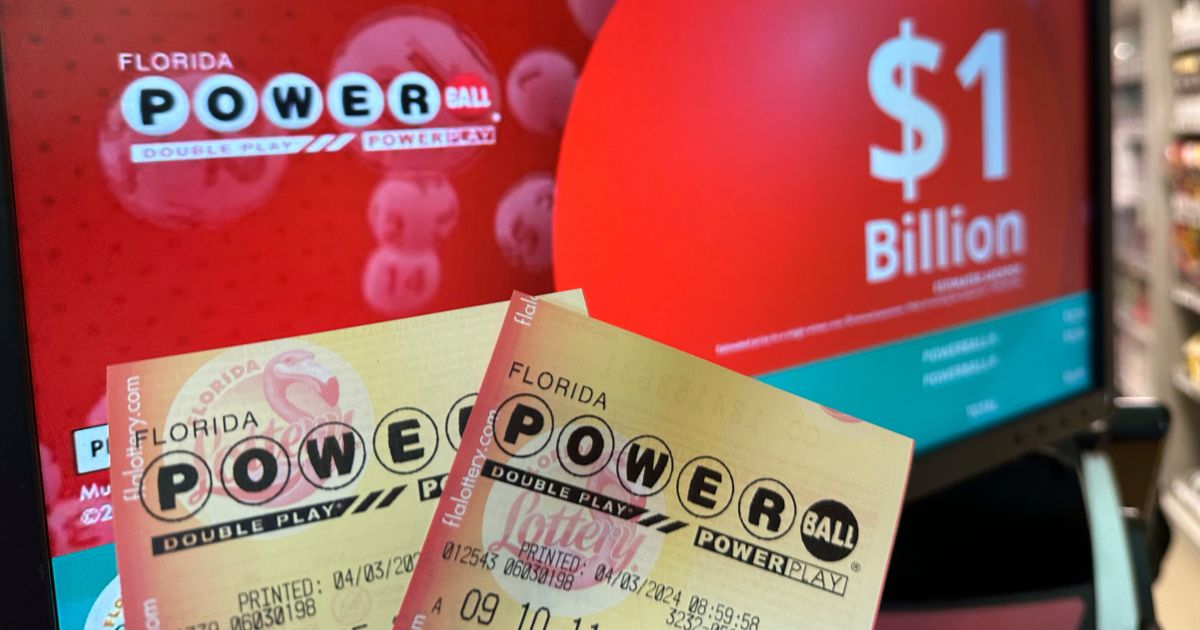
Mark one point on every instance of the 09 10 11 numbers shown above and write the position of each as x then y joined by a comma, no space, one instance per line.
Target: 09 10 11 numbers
481,608
540,620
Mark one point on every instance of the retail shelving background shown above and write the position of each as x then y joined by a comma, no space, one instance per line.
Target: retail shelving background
1130,231
1156,233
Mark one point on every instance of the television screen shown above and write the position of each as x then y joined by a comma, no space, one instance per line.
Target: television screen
885,210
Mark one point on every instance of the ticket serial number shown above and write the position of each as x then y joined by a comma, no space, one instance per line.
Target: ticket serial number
469,556
531,572
268,617
275,616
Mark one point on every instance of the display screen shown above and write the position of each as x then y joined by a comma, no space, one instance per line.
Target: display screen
886,211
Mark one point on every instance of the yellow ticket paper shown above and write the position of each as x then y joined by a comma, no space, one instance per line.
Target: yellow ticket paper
606,481
290,483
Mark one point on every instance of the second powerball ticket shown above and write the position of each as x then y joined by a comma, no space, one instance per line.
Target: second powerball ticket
608,482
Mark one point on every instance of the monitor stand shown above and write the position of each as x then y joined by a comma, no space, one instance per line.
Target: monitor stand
1040,542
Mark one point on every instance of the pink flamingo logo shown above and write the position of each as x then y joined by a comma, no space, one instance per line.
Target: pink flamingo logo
303,394
295,370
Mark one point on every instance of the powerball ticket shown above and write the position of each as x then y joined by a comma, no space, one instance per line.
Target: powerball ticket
608,482
290,483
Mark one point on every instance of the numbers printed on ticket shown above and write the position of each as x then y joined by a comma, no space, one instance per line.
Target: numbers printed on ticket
606,481
290,483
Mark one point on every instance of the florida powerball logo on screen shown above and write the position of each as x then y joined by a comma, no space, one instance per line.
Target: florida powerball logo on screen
260,119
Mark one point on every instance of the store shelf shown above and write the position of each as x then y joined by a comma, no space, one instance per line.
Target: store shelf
1179,378
1185,209
1187,297
1135,265
1127,388
1183,522
1184,41
1186,125
1132,126
1127,198
1129,384
1127,77
1135,329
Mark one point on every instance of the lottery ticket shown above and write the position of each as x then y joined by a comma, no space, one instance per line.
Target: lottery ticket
290,482
606,481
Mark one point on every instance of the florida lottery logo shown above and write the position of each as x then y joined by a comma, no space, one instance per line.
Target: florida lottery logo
271,426
551,536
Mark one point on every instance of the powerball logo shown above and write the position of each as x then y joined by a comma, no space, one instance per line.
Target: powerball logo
157,107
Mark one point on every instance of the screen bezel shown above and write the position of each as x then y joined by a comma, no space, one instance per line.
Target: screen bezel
968,456
28,600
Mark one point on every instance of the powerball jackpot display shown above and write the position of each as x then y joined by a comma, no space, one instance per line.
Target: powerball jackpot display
835,198
196,175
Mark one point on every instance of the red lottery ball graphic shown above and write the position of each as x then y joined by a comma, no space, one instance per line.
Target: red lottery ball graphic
540,87
413,213
393,42
589,14
186,194
398,282
469,96
523,223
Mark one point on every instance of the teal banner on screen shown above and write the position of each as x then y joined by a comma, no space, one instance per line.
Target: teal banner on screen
86,590
940,387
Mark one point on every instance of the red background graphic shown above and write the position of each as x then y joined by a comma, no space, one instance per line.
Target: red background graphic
714,184
721,158
124,262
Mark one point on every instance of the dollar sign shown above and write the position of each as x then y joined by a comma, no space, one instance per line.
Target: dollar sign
916,116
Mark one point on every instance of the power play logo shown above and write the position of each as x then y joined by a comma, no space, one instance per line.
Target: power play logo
228,104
